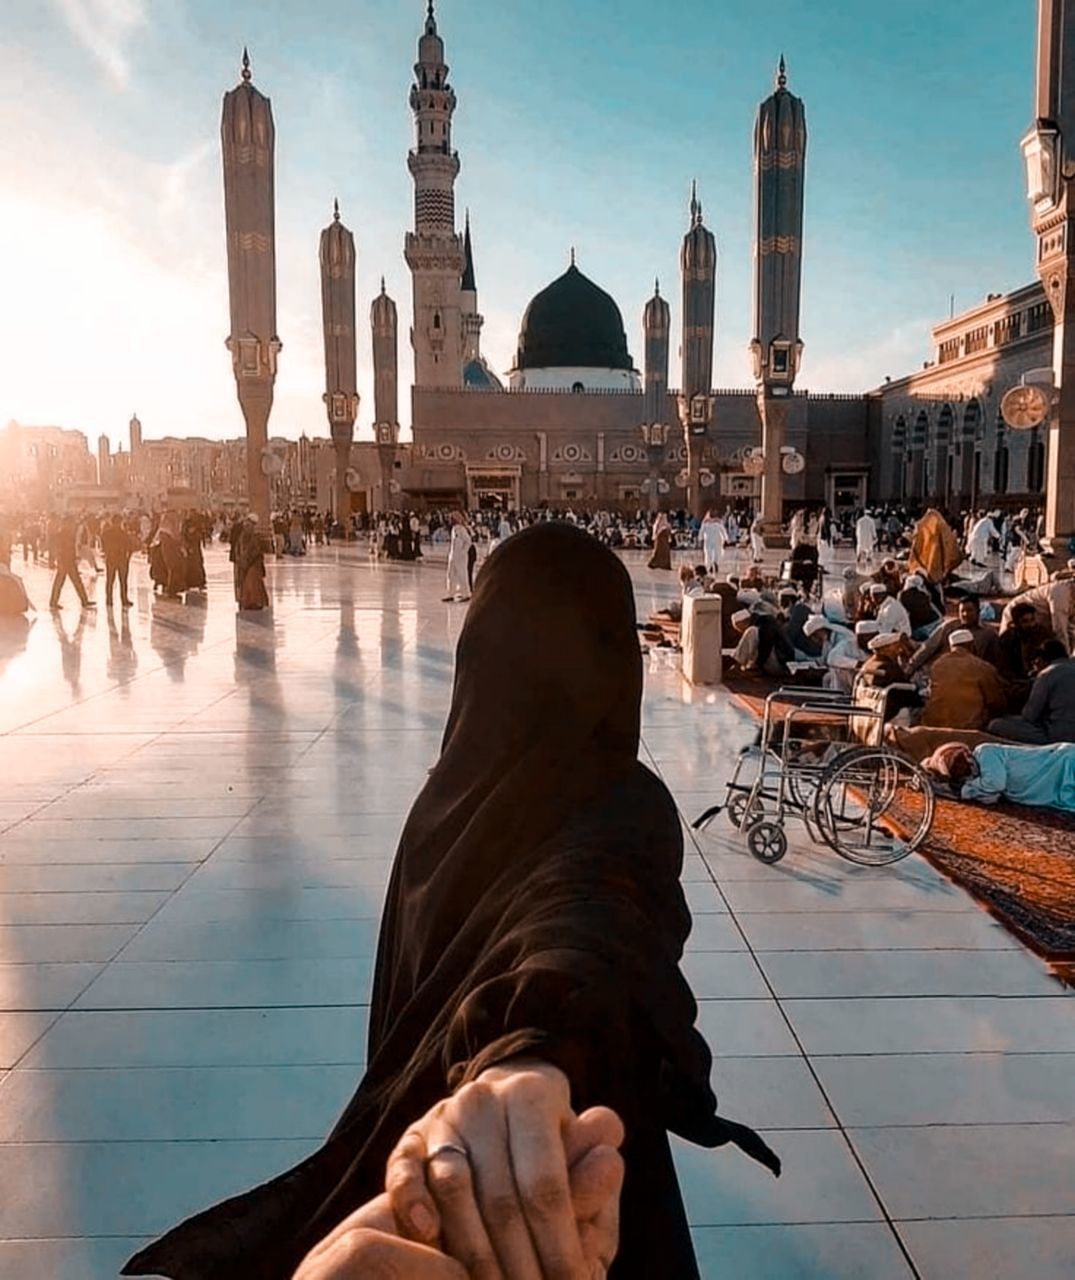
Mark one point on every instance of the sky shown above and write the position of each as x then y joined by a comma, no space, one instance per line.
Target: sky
580,122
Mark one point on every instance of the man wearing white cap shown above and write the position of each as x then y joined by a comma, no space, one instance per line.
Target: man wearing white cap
1054,603
840,652
763,647
865,632
890,614
964,691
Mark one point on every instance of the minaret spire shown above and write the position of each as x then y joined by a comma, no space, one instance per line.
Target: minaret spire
246,65
336,209
782,74
696,207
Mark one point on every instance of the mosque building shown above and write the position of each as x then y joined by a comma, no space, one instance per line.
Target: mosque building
576,422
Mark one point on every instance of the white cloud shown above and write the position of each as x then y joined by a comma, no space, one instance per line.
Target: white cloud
863,367
104,28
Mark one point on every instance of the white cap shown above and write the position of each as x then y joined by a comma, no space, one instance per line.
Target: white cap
882,642
914,580
867,627
815,622
962,636
749,596
742,615
878,589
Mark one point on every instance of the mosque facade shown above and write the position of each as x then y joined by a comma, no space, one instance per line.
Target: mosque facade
576,422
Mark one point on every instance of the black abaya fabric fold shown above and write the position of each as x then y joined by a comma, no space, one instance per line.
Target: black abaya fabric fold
534,908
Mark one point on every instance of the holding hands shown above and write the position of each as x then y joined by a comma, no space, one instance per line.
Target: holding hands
500,1181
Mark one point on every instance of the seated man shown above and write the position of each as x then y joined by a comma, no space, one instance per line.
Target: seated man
964,691
840,652
1043,777
968,618
1054,604
1049,714
884,666
864,633
763,647
921,610
890,614
796,612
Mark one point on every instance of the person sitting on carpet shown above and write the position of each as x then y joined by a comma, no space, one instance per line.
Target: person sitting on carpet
1054,604
1043,777
763,647
884,666
840,653
1049,714
923,613
968,618
964,691
864,633
796,613
890,614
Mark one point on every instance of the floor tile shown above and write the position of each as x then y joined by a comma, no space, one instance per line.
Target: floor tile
203,1037
43,986
255,939
992,1249
91,877
876,931
217,984
770,1093
820,1182
928,1089
984,1024
745,1028
62,943
724,975
85,1259
810,1251
128,1188
173,1104
974,1171
18,1031
803,974
80,908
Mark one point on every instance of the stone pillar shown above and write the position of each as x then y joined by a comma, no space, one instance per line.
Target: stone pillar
774,417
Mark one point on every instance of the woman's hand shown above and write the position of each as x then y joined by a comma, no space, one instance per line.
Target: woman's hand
367,1246
512,1183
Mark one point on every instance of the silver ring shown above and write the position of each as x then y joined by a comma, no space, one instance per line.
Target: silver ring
448,1148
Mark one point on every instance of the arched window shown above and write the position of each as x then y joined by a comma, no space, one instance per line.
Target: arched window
436,319
577,387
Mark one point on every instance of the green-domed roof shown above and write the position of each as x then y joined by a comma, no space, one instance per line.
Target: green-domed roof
573,324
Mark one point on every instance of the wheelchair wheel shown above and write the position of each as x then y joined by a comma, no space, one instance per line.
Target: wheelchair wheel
767,841
737,809
873,806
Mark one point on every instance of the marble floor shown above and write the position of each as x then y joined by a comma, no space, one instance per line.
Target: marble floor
197,815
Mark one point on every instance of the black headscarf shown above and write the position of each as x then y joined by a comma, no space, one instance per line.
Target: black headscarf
534,907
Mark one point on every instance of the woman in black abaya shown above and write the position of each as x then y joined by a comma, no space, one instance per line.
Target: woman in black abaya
534,910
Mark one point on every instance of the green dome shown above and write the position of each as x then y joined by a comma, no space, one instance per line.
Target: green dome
573,324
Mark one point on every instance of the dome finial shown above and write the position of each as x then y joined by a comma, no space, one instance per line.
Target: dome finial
782,74
696,205
572,255
336,209
656,286
246,66
431,20
382,287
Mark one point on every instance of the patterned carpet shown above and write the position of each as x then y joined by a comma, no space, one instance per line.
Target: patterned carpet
1018,862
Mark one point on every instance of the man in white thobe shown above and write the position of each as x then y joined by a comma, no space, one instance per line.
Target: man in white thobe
713,539
458,552
865,537
981,532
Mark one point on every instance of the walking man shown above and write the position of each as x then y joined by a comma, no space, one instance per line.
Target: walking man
67,566
117,546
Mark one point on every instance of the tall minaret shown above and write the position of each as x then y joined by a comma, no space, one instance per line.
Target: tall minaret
472,321
337,258
248,137
779,174
433,251
656,326
698,266
1049,151
384,326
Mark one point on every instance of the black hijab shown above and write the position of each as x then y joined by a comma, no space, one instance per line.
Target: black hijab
534,907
